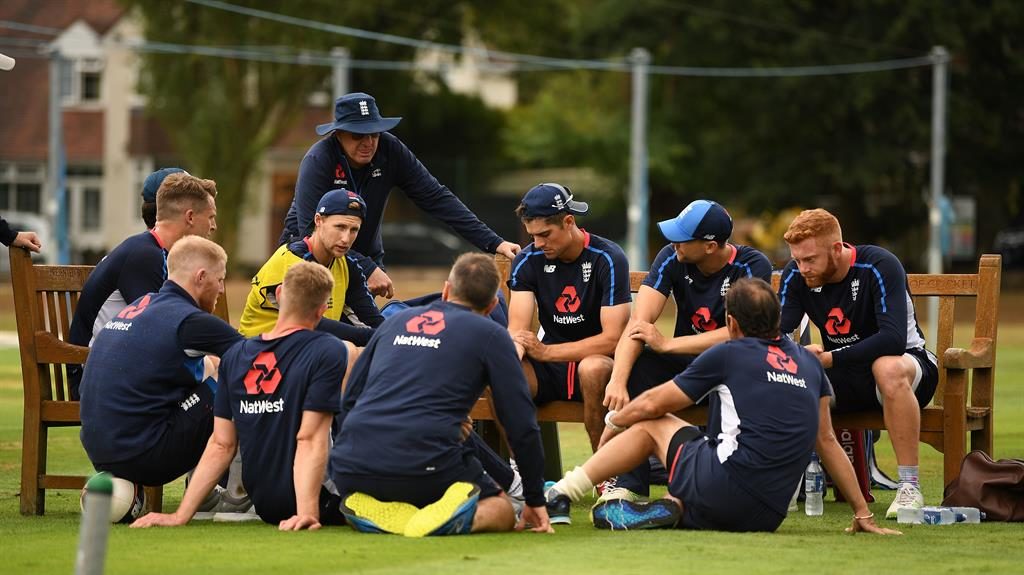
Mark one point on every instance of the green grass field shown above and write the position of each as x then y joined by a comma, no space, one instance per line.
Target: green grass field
47,544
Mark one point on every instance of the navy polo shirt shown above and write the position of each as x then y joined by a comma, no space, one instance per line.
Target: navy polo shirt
264,387
413,386
570,295
700,299
861,318
763,411
325,167
141,367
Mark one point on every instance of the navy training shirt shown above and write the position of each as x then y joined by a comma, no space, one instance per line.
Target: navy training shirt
700,299
325,167
570,295
144,364
264,387
861,318
763,412
413,386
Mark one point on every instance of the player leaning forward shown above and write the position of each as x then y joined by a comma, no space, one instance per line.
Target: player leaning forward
277,395
769,407
410,393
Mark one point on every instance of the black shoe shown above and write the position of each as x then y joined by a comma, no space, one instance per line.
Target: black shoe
558,508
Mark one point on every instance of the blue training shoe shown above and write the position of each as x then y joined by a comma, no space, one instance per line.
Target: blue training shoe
452,514
623,514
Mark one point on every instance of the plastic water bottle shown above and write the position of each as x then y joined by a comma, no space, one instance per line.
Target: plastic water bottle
814,487
939,515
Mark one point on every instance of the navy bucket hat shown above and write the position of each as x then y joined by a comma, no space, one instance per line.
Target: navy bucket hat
357,113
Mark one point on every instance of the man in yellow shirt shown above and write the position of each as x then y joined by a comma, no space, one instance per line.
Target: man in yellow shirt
337,220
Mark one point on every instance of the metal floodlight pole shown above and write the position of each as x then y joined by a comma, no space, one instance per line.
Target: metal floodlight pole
940,90
56,208
340,72
637,209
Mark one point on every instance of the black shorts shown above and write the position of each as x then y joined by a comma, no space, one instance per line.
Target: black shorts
178,449
418,490
855,389
653,369
711,498
556,381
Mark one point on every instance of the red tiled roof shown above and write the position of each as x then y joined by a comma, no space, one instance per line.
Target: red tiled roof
101,15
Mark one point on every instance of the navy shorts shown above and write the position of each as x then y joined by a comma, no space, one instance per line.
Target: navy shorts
711,499
556,381
179,448
418,490
653,369
855,389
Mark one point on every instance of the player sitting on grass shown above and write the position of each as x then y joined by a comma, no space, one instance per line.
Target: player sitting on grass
339,215
147,389
769,407
276,398
400,460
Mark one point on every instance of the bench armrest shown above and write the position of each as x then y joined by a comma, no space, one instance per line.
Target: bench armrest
980,354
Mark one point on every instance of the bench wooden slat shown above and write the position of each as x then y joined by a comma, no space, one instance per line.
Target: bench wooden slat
51,350
63,411
76,482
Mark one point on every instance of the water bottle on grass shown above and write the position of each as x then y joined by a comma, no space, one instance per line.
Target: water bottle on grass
814,487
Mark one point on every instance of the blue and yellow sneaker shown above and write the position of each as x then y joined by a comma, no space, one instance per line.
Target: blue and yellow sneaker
367,515
623,514
559,505
452,514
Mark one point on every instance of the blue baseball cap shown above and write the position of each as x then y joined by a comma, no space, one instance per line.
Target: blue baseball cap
701,220
341,202
153,181
549,199
357,113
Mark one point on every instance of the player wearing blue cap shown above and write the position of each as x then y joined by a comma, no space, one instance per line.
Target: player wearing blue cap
768,408
338,219
360,154
276,396
401,459
874,350
138,265
697,269
578,285
147,389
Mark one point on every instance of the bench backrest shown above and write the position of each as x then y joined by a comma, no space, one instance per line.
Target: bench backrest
45,298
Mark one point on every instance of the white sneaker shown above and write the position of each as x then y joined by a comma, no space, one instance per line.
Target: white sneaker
237,516
609,490
908,496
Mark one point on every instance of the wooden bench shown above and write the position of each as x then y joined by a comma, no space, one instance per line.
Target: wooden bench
963,401
45,297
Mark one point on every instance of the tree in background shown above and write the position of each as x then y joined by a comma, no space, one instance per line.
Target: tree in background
222,114
859,143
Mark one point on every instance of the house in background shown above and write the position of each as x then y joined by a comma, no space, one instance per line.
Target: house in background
111,144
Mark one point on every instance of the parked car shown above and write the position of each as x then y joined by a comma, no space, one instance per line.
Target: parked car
417,244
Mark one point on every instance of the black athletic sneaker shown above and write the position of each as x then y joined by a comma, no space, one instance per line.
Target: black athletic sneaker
623,514
558,507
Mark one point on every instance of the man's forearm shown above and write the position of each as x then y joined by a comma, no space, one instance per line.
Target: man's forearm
599,344
626,353
308,470
841,471
215,461
696,343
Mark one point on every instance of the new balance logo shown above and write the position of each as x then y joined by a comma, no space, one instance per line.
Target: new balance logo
549,269
264,376
376,173
364,108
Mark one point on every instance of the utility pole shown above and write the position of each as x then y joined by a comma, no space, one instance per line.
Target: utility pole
340,72
56,205
637,210
940,90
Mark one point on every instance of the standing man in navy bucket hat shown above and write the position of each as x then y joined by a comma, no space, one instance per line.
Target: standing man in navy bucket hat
360,155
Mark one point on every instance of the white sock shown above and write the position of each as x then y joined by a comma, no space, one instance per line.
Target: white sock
575,484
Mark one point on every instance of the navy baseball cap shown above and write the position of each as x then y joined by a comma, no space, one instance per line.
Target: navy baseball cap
153,181
549,199
341,202
357,113
701,220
